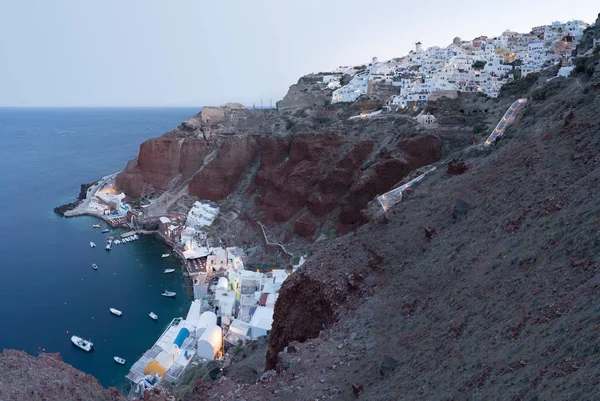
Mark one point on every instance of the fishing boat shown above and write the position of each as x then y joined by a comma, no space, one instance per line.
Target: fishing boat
165,255
115,312
167,271
94,266
105,231
81,343
169,294
92,245
153,315
118,360
96,225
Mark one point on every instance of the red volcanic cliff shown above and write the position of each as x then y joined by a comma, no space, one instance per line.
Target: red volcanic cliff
306,178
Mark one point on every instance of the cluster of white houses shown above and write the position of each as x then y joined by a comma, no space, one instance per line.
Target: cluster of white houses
483,64
231,304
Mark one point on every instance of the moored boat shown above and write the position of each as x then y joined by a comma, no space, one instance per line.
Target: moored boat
153,315
115,312
105,231
96,225
165,255
94,266
92,245
169,294
167,271
118,360
81,343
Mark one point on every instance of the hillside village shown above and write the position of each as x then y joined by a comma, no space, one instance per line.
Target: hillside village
483,65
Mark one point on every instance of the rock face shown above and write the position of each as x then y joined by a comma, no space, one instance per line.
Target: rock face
502,300
47,377
308,92
306,178
589,36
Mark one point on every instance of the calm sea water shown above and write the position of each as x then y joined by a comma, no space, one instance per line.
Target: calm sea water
48,290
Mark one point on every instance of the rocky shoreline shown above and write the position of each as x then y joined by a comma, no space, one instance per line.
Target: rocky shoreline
62,209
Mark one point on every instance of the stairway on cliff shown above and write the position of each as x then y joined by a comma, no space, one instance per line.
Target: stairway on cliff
177,190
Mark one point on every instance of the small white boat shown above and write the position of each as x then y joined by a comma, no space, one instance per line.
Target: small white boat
169,294
105,231
115,312
117,242
165,255
153,315
135,236
167,271
92,245
96,225
108,247
94,266
118,360
81,343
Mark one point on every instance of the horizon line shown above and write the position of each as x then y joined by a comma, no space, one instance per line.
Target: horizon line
123,107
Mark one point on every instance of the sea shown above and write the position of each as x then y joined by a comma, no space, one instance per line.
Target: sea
48,289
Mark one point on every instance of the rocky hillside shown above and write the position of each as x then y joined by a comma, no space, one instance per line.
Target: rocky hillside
590,36
482,284
48,378
304,173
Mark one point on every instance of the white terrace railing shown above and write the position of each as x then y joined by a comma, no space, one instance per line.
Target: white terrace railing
394,196
508,118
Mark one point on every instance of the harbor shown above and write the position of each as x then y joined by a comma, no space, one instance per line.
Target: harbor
230,304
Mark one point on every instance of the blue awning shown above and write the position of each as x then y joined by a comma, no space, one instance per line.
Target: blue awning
181,336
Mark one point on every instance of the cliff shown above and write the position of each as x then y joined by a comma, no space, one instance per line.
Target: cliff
303,173
482,283
48,378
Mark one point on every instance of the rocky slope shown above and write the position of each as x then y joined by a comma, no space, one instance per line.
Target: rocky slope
482,284
303,173
48,378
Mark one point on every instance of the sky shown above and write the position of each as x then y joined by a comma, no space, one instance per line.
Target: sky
86,53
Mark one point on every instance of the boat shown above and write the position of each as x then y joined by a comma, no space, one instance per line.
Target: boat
81,343
105,231
117,242
115,312
166,271
169,294
96,225
153,315
92,245
165,255
135,236
94,266
118,360
108,245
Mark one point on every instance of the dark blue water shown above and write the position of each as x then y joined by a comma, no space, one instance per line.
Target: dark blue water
47,285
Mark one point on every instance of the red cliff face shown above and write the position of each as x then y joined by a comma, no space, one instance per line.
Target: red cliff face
309,178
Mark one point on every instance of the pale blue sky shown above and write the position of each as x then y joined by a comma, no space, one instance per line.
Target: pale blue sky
201,52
